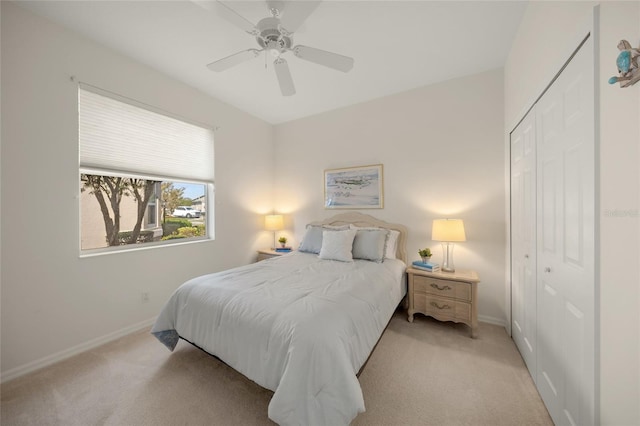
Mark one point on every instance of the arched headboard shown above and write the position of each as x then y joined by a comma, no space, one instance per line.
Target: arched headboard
365,220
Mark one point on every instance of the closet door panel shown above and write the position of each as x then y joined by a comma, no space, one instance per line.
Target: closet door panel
566,231
530,285
517,290
573,215
550,345
549,206
523,240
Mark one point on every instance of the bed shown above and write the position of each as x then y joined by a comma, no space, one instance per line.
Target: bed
302,324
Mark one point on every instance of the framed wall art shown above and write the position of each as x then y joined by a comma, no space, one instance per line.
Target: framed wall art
354,188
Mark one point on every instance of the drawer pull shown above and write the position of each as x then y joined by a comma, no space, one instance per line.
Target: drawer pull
435,305
437,287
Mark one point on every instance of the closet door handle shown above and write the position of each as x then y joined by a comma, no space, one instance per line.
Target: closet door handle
526,256
547,269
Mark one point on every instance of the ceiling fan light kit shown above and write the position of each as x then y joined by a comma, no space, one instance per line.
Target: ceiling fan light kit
275,36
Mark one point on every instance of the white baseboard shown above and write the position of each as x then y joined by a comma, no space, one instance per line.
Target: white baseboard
492,320
75,350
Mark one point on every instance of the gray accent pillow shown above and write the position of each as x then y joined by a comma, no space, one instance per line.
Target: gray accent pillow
392,240
312,240
370,244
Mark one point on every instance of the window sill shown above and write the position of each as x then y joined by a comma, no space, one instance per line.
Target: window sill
139,247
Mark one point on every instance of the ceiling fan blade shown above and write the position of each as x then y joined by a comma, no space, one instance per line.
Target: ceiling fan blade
322,57
233,60
229,14
284,77
294,13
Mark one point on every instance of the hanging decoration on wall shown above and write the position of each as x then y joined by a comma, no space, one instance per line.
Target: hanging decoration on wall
628,63
354,188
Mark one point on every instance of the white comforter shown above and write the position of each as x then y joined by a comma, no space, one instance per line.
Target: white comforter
297,325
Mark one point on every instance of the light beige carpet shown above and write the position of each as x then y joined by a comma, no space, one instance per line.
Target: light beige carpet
421,373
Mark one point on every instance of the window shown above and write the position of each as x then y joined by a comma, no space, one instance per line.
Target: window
145,177
152,213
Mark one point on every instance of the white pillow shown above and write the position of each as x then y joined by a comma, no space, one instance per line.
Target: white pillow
392,244
312,240
392,241
370,244
337,245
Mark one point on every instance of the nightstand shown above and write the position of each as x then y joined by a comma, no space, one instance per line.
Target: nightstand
269,253
445,296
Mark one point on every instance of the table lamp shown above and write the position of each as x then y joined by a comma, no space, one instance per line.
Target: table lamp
448,231
273,222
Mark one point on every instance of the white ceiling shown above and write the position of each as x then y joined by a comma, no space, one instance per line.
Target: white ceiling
397,46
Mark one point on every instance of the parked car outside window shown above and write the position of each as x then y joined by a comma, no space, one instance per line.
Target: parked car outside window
186,211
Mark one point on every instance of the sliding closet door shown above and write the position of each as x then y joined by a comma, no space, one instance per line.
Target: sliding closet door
523,239
566,230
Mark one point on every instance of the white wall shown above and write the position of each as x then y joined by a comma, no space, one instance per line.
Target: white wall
544,41
441,148
540,47
620,271
0,199
54,302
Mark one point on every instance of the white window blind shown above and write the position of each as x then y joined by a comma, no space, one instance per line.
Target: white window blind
116,135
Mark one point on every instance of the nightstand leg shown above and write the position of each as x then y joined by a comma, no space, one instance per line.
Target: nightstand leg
410,318
474,332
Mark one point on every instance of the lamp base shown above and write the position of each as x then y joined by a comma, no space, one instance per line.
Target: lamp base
447,255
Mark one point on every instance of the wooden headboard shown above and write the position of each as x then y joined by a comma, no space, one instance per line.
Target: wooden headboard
363,220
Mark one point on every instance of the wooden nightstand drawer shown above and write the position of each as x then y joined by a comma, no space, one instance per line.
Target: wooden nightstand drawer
441,308
429,285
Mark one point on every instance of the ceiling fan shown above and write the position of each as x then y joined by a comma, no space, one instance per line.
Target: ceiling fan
275,36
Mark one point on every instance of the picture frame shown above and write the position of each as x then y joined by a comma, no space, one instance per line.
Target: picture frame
354,187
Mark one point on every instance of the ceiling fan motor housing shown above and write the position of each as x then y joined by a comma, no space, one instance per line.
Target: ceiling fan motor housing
270,36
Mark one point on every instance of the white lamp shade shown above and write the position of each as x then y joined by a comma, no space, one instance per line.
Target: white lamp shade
273,222
450,230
